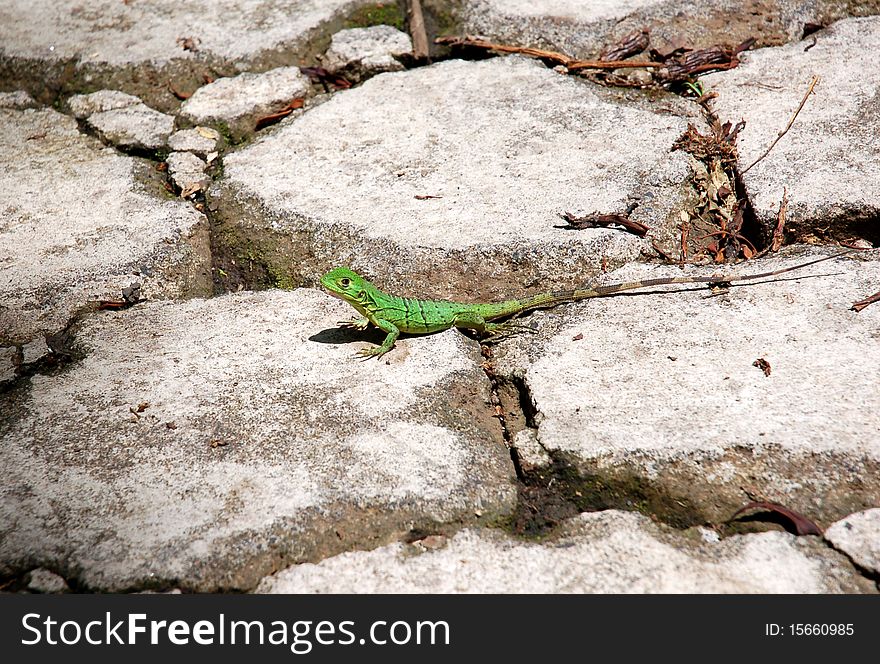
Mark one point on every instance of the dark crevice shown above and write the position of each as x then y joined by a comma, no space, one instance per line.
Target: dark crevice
751,228
501,409
870,574
62,352
550,494
155,155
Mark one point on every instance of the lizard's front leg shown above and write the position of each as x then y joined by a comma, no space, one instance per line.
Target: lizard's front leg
357,323
378,351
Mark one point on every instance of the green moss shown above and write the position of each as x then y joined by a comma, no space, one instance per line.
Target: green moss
225,132
281,278
382,13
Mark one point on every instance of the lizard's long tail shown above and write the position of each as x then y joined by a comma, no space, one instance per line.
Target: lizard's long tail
545,300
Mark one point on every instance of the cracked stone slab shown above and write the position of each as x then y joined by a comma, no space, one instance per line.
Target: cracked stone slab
123,119
137,46
858,536
201,141
829,161
364,52
448,180
658,392
80,223
599,552
238,101
582,29
203,444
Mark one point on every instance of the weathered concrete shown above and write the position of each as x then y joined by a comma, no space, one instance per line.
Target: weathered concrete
858,536
365,52
657,395
601,552
448,180
103,227
204,444
237,102
123,120
828,161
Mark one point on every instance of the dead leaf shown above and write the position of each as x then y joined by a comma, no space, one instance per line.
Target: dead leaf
763,365
801,524
191,188
189,43
779,231
272,118
182,96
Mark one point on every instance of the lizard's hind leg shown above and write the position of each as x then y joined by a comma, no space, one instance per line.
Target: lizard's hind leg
508,328
495,331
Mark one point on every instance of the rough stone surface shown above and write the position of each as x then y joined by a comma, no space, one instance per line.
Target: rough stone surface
448,180
8,356
202,444
123,120
600,552
583,29
122,33
858,536
79,224
82,106
201,141
34,350
43,581
240,100
829,161
660,389
18,99
367,51
187,170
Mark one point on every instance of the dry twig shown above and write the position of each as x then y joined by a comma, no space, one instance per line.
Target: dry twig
787,127
604,220
861,304
417,30
553,56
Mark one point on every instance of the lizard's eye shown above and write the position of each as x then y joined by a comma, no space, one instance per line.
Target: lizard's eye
345,281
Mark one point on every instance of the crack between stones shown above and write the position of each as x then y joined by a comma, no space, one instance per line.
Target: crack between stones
864,572
62,352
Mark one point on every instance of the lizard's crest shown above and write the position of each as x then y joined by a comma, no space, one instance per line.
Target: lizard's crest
346,284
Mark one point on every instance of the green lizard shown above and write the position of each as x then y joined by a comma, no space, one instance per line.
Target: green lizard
393,314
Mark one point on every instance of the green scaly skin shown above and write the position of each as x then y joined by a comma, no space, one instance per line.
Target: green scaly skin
393,314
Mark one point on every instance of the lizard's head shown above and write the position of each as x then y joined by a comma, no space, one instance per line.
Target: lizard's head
345,284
